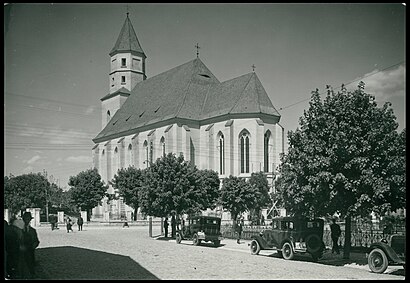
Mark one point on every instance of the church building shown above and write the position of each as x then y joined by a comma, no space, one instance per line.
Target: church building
231,127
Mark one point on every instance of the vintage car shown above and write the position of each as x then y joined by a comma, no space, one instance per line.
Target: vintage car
389,251
291,235
200,228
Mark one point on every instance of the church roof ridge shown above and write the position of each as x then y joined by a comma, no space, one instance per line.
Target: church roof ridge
127,40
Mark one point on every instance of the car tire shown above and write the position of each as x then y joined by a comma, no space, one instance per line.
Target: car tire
255,247
178,238
378,261
313,243
195,240
217,243
287,251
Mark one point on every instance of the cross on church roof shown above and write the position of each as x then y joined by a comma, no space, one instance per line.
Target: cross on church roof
127,10
197,50
253,67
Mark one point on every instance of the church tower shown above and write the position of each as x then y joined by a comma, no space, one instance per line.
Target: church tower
127,68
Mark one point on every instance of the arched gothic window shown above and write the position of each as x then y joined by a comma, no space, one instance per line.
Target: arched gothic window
244,148
221,153
162,142
266,150
145,146
151,151
130,154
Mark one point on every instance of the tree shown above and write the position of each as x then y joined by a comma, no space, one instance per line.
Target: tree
347,158
174,184
260,183
87,190
237,196
25,191
129,182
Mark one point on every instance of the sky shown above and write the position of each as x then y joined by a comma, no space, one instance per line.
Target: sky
57,63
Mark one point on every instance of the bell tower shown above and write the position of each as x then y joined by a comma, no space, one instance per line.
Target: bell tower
127,68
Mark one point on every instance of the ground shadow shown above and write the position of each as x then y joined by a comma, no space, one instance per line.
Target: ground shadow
77,263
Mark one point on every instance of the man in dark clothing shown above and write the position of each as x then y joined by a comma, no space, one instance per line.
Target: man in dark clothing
80,222
335,233
12,249
173,225
28,244
166,227
239,228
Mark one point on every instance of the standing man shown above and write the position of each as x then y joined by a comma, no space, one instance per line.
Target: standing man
166,227
80,222
173,225
27,246
239,228
335,234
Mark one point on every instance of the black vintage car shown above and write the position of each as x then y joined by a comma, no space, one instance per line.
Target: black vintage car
291,235
390,251
201,228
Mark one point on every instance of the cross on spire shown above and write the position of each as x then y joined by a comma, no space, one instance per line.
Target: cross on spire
253,68
128,10
197,50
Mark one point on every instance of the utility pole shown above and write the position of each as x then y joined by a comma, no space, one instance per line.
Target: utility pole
45,188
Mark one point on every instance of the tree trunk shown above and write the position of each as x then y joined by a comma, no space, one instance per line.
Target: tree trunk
348,237
135,214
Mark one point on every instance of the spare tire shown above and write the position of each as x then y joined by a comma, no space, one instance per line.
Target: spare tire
313,243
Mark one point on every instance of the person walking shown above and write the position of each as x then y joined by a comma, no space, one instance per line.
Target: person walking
173,225
80,222
335,234
239,228
29,242
69,225
166,227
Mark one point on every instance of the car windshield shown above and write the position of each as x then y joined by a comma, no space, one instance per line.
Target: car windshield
211,221
313,224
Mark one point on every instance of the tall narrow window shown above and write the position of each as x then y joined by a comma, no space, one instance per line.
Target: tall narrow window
145,146
123,62
130,154
162,142
244,148
151,152
123,80
266,151
221,146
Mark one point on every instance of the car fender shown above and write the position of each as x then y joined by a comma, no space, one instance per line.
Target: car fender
261,241
390,253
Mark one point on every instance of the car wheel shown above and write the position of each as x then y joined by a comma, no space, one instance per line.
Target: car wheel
255,247
217,243
178,238
195,240
378,261
287,251
313,243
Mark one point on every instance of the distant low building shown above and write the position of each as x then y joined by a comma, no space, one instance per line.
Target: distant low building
231,127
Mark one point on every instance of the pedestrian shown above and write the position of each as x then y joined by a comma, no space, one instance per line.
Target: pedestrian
335,234
12,238
173,225
29,242
69,225
166,227
80,222
239,228
53,222
125,224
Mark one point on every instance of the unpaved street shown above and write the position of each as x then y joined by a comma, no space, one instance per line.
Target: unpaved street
129,253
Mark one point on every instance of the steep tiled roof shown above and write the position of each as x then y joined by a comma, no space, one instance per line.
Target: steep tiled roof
189,91
127,40
122,91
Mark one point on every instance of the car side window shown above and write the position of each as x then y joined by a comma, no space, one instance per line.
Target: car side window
291,225
284,225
